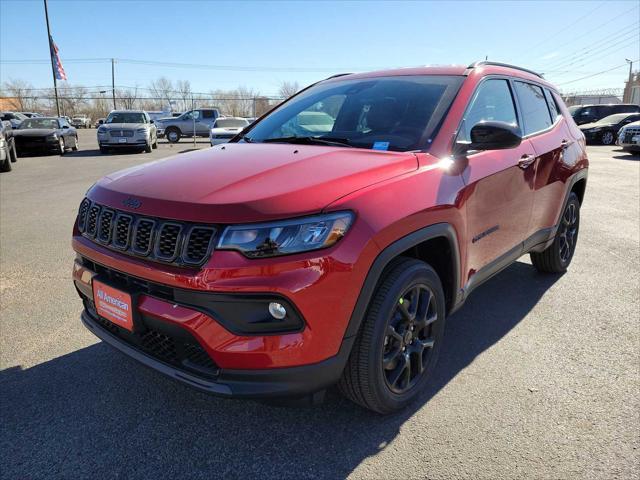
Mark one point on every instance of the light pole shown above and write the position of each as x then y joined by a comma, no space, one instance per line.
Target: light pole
628,89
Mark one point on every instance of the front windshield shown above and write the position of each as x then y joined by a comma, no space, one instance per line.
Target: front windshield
20,116
616,118
397,113
125,117
40,123
231,123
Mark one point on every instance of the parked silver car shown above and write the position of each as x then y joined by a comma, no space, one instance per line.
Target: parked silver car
225,128
81,121
201,120
629,137
127,128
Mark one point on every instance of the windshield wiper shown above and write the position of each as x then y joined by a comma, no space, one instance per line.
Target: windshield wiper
341,142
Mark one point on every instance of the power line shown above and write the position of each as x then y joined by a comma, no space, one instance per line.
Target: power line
595,74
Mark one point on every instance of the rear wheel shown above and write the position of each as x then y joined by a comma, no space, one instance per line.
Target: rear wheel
173,135
397,346
607,138
557,256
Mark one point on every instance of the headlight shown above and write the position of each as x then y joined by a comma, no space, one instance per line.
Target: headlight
141,130
593,130
287,236
52,138
102,130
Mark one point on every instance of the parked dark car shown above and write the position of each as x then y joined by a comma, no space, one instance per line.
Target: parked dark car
7,147
46,134
604,131
13,117
592,113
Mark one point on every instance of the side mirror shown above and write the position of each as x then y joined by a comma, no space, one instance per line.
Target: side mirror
65,127
152,121
491,136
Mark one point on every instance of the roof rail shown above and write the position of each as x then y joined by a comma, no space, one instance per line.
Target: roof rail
337,75
498,64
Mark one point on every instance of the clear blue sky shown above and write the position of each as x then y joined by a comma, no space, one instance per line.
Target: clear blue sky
566,40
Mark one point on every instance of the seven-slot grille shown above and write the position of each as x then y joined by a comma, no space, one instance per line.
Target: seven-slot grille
157,239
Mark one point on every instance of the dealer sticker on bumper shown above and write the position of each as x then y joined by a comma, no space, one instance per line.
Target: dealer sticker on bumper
113,304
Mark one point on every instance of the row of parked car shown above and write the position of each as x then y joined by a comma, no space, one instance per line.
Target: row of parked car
133,128
604,124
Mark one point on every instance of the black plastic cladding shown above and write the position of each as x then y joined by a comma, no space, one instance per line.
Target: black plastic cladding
165,241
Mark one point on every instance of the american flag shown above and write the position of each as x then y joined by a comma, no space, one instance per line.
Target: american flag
57,63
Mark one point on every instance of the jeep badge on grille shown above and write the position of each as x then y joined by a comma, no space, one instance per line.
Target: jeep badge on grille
132,203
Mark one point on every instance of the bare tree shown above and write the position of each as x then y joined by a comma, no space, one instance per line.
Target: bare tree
127,97
161,89
22,91
184,90
288,89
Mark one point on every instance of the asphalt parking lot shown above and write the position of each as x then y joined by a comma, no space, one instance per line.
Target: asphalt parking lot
539,377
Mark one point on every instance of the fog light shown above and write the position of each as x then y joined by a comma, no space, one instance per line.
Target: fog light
277,310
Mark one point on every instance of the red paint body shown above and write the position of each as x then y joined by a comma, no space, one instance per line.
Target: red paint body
392,195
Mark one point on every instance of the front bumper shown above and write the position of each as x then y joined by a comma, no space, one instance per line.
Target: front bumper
172,339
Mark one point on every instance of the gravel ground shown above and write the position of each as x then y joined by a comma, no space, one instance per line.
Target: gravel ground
539,377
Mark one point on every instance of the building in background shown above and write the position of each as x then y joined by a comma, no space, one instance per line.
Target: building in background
632,89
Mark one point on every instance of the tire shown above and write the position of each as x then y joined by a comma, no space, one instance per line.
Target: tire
61,146
172,135
75,144
557,256
6,165
607,138
104,150
148,147
155,143
377,357
13,152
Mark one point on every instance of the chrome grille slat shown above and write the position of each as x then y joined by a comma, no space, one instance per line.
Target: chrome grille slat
166,241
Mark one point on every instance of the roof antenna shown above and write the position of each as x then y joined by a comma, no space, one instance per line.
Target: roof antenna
486,57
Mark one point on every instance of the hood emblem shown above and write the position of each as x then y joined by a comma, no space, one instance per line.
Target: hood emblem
132,203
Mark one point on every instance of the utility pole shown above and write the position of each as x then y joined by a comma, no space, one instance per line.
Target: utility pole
53,68
113,82
628,89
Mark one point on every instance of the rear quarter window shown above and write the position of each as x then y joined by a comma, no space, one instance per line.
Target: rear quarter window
534,107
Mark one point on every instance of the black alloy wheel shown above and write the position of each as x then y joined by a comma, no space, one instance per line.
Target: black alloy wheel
607,138
568,232
409,341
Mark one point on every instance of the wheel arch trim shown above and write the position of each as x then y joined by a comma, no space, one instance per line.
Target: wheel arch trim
393,250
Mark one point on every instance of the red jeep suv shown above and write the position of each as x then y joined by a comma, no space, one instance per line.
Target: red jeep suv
328,242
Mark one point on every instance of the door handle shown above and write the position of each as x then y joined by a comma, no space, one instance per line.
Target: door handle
565,144
526,160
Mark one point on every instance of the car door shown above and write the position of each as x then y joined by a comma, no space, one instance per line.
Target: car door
546,129
185,122
499,185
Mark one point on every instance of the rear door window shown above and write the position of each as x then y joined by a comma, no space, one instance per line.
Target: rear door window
535,111
553,106
208,114
493,102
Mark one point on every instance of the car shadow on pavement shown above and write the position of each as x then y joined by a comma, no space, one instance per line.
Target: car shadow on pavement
97,413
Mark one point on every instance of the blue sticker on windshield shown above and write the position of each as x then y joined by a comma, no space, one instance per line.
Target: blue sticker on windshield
381,146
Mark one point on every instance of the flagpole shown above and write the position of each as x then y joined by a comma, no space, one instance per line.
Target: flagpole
53,69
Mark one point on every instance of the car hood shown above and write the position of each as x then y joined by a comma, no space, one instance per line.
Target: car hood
34,132
248,182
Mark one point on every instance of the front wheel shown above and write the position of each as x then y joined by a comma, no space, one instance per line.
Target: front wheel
147,147
155,143
557,256
397,347
607,138
75,144
173,135
61,147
